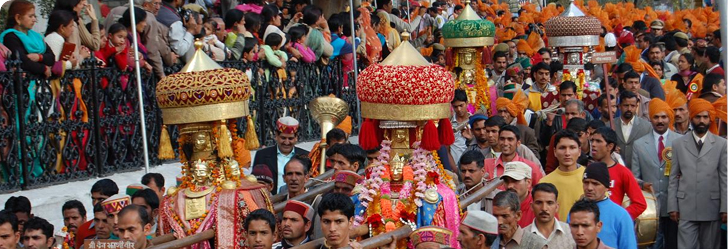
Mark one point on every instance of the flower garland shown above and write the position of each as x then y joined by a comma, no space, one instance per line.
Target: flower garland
581,85
441,169
186,172
377,197
195,223
68,238
566,76
419,166
369,192
481,85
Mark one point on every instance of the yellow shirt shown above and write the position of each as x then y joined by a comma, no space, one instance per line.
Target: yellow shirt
569,186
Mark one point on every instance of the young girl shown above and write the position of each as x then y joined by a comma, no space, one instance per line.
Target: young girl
118,48
212,44
272,52
298,48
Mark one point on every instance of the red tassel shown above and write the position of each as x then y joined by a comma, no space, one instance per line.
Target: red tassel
430,139
449,57
379,132
368,135
486,56
446,135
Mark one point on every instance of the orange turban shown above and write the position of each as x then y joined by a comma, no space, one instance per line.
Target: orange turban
345,125
657,106
675,98
698,105
720,108
515,107
523,47
633,57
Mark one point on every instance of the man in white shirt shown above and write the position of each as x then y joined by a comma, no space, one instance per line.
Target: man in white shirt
630,127
544,205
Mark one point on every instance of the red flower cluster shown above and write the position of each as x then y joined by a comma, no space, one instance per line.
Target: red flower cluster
434,177
408,216
375,220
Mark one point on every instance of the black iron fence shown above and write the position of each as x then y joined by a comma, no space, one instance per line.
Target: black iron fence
86,123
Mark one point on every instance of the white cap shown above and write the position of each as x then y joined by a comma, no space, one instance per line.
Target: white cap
610,40
481,221
517,170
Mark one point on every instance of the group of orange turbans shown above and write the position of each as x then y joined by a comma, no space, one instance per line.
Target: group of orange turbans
614,17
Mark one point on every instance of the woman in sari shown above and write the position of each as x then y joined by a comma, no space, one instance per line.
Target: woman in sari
688,80
390,34
373,45
37,59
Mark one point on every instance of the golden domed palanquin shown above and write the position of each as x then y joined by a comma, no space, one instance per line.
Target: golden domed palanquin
402,98
467,37
205,100
572,37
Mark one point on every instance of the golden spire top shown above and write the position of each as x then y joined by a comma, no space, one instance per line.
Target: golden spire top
405,36
200,61
405,54
468,13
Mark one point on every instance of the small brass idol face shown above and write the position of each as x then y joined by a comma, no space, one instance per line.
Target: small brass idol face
400,139
468,77
466,58
201,173
397,166
233,167
202,141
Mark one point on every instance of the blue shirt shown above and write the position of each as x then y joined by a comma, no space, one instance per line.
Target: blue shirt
617,226
338,44
282,160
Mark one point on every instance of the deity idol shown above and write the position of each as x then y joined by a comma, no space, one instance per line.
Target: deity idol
213,194
407,185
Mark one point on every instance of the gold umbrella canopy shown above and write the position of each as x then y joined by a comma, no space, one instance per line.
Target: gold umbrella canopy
203,91
405,87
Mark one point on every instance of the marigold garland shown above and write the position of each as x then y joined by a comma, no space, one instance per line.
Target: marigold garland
481,85
581,85
482,91
441,169
381,215
194,224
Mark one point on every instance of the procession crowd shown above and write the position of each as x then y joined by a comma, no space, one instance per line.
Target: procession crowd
577,176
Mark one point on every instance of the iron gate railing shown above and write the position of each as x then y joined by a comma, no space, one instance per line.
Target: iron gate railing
86,123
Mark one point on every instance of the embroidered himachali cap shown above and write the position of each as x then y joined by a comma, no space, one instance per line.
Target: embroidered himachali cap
115,203
287,125
517,170
431,234
481,221
347,176
133,188
305,210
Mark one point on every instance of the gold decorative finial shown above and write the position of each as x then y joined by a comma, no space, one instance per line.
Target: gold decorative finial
199,44
467,2
405,54
200,61
405,35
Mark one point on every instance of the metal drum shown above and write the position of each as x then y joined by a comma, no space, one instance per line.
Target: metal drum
647,223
